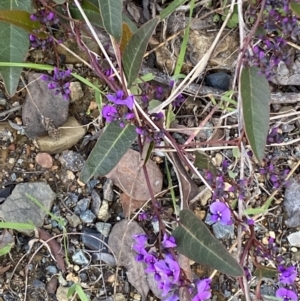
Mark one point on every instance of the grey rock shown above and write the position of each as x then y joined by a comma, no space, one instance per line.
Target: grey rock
108,193
96,202
287,75
69,136
38,284
19,208
83,277
267,291
219,80
223,231
294,239
79,258
82,206
71,160
40,101
93,240
103,228
87,216
105,257
51,269
73,220
291,203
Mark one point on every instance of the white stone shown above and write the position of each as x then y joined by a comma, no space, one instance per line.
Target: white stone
294,239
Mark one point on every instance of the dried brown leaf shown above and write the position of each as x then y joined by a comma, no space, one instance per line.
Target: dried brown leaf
54,247
4,269
189,188
121,241
129,176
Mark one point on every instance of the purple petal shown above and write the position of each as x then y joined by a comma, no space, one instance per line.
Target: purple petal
111,98
226,216
217,207
119,94
129,101
286,294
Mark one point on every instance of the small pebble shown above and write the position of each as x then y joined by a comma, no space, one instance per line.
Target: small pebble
137,297
11,160
294,239
44,160
219,80
103,228
73,220
76,268
82,206
80,258
51,269
87,216
294,250
265,240
70,175
76,91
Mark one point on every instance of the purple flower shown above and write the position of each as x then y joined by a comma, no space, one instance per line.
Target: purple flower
168,268
165,286
140,239
287,275
150,259
120,100
203,290
220,213
109,113
140,131
129,116
168,241
286,295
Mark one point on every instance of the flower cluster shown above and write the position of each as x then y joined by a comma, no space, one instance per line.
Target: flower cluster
279,24
59,82
110,112
276,177
275,136
268,54
166,270
287,277
286,274
220,212
46,19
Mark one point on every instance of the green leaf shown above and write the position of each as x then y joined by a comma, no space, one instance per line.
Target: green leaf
14,44
92,12
17,226
111,11
183,47
71,290
135,49
108,151
5,249
295,7
203,162
266,272
19,18
256,97
170,8
195,241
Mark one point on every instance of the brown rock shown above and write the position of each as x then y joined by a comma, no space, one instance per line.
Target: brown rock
44,160
69,136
